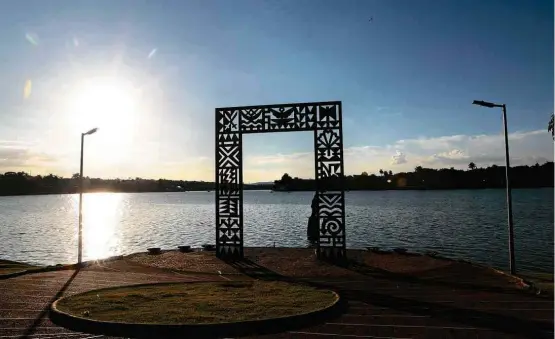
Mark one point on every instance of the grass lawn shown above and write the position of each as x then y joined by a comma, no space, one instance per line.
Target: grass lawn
7,267
544,281
197,303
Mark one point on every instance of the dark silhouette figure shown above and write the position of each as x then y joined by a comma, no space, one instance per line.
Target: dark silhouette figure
312,227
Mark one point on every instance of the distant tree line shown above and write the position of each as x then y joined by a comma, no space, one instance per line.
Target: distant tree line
428,178
22,183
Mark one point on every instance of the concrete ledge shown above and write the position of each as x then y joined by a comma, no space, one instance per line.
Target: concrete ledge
214,330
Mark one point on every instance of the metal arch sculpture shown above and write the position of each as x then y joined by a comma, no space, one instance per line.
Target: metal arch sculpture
324,119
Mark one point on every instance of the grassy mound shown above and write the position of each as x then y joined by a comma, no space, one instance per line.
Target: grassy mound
197,303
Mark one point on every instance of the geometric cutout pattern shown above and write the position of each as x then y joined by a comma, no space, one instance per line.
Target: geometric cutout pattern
229,206
329,116
332,224
277,118
230,236
227,121
329,151
229,156
325,120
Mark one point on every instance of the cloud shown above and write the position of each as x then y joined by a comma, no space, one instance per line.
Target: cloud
399,158
14,143
277,159
19,156
12,155
271,167
404,155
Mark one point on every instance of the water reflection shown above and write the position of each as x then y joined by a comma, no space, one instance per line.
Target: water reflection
467,224
102,214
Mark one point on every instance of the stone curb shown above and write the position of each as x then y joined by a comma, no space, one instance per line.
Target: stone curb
216,330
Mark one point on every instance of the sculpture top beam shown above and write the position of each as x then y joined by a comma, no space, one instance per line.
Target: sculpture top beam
279,118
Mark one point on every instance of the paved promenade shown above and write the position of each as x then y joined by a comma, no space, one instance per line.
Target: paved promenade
442,303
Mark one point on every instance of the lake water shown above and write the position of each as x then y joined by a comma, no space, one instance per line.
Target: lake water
469,224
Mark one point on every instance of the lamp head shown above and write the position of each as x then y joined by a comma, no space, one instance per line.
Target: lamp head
484,103
92,131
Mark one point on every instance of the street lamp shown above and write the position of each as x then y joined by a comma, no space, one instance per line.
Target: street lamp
80,243
508,182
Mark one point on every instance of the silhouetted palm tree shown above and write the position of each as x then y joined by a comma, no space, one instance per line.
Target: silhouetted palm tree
551,127
472,166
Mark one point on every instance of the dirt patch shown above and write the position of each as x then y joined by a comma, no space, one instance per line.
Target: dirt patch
291,262
205,262
410,263
302,263
543,282
295,262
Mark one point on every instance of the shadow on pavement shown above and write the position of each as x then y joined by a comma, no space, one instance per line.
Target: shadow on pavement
447,279
31,330
476,318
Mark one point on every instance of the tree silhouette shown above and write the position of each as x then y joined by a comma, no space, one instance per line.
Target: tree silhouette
21,183
551,127
286,178
446,178
390,173
472,166
381,171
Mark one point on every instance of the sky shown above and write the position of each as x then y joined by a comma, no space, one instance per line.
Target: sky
149,74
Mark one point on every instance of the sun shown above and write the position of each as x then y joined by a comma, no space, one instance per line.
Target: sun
102,102
110,104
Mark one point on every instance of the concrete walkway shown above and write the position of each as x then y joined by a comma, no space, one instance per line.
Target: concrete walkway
379,306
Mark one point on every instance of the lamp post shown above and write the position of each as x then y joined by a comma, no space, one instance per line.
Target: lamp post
508,182
80,235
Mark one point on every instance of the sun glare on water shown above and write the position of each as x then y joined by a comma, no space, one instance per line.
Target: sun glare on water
101,224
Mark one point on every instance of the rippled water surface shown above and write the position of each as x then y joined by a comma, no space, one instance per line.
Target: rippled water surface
468,224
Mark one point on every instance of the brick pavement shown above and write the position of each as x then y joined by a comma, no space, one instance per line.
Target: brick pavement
378,306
